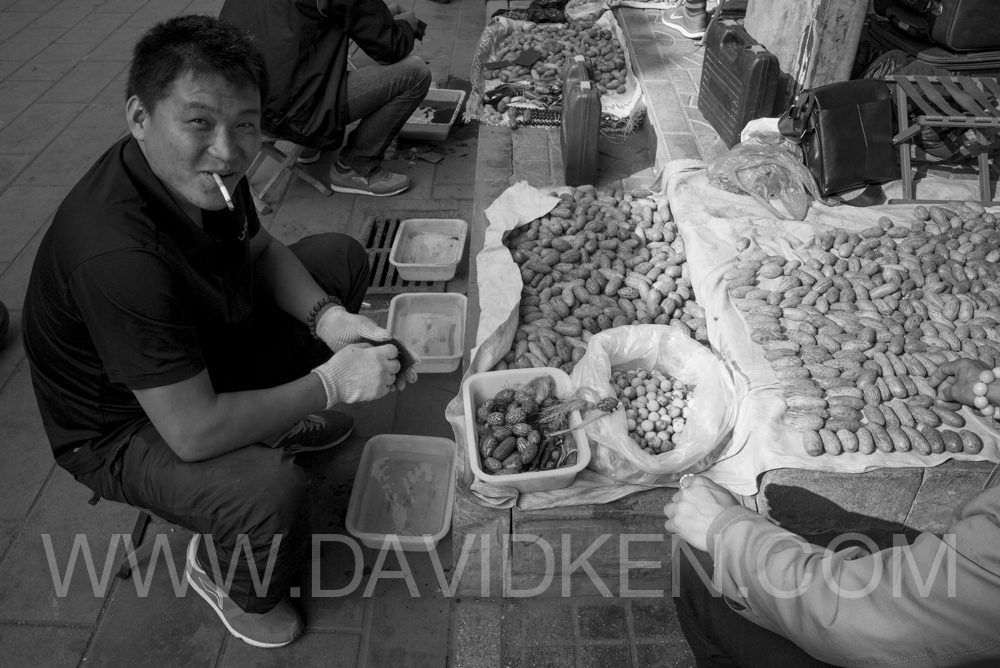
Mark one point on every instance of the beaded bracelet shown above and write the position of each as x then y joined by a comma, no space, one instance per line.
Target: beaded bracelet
311,320
981,388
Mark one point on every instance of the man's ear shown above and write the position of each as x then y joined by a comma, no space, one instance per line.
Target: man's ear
136,116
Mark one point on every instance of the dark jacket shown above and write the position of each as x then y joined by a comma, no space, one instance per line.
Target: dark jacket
304,43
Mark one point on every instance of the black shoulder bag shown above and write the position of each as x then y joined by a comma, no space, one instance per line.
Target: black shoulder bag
845,130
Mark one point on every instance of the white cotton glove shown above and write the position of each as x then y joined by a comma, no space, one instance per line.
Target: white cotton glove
359,372
337,328
395,10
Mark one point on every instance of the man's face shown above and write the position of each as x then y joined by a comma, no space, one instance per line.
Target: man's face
204,126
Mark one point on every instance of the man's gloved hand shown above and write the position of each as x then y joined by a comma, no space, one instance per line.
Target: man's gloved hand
337,328
357,373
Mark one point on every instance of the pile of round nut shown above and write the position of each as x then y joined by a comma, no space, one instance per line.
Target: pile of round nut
853,332
596,261
559,43
656,407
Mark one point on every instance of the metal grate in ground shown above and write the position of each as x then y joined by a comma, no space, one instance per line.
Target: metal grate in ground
384,278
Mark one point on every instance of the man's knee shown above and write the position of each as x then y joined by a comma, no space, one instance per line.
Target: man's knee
339,264
419,71
283,498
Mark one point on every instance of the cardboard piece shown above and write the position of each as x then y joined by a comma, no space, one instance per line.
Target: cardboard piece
528,58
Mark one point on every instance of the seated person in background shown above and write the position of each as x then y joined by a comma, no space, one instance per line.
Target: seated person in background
179,354
935,602
312,95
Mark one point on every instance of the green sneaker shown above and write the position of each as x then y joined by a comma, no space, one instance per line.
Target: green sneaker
316,432
275,628
381,182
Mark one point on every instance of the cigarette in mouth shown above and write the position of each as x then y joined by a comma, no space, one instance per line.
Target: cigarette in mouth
225,192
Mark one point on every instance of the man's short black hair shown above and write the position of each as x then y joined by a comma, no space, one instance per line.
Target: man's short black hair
200,45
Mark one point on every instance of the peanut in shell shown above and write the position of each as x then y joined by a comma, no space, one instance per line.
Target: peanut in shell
813,443
971,443
831,444
933,438
866,442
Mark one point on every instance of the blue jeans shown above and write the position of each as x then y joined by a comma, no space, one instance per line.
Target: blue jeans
382,98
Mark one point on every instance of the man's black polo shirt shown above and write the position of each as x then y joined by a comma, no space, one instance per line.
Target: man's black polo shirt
123,284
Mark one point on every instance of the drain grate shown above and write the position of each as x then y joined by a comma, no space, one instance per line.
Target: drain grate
384,278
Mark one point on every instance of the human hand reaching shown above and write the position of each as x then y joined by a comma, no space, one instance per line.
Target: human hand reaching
694,507
954,380
359,372
337,328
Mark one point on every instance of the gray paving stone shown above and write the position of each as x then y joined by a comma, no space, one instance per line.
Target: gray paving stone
16,95
810,502
14,279
155,619
27,587
28,42
11,166
105,112
42,646
52,63
943,490
682,146
65,14
335,650
29,6
69,156
603,620
657,655
8,533
12,351
34,206
32,131
118,46
152,12
407,629
475,634
13,22
28,457
475,535
94,28
84,82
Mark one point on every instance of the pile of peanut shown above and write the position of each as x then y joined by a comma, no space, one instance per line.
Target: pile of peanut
557,43
853,332
596,261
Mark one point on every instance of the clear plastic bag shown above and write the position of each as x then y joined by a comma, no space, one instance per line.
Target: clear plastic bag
712,405
767,167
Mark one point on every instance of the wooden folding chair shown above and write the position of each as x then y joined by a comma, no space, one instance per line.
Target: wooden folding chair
945,102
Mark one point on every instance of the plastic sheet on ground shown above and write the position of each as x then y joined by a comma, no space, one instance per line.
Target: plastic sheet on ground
710,220
621,112
499,281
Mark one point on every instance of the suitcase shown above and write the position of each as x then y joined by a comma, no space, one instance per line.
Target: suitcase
739,80
978,63
956,25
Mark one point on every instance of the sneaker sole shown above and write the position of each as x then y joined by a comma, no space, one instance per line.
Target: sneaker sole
295,449
308,161
358,191
192,548
679,27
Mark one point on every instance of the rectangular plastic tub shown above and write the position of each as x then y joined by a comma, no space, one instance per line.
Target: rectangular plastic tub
428,249
405,486
434,117
432,325
479,387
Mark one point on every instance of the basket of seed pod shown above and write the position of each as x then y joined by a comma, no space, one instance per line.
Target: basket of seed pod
523,429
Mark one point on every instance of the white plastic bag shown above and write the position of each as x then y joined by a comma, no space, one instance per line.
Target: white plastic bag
712,405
